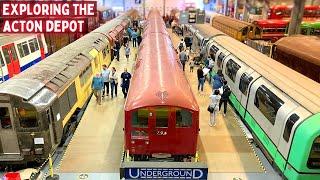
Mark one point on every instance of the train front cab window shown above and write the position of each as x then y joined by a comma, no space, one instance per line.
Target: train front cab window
268,103
314,156
5,118
232,69
162,116
183,118
139,123
27,117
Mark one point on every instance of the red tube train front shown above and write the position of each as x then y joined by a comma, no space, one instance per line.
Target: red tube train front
161,112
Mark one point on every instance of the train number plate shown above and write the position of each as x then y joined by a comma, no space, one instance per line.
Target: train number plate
161,133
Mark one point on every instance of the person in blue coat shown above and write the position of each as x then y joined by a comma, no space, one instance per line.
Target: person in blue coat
97,86
217,80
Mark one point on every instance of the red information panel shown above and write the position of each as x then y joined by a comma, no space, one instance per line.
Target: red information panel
46,16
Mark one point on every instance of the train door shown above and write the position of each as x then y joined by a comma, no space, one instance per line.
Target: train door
3,67
289,126
246,79
41,46
8,136
161,125
11,59
232,70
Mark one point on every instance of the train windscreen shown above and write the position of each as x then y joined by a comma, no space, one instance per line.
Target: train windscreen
314,156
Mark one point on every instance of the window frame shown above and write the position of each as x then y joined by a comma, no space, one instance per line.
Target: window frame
263,90
288,127
162,110
232,74
245,81
20,118
24,45
135,112
190,123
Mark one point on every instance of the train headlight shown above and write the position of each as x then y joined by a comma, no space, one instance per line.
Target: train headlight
147,142
132,142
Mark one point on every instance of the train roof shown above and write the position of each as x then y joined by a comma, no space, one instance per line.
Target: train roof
304,90
207,34
10,38
41,83
158,79
305,47
262,22
228,21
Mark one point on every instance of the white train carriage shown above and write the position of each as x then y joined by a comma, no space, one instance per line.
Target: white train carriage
19,52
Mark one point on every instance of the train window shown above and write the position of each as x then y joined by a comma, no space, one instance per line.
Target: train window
289,124
232,69
33,45
5,118
213,51
304,31
104,53
314,156
268,103
311,31
13,53
317,32
183,118
72,94
27,117
85,75
244,83
140,118
162,116
1,60
25,48
220,59
244,31
257,31
6,56
20,50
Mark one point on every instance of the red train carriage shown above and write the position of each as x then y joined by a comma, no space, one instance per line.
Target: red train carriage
272,29
161,112
283,11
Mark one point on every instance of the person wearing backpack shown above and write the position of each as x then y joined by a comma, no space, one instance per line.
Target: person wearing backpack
182,45
224,97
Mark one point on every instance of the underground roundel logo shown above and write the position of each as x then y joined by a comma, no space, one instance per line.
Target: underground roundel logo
163,95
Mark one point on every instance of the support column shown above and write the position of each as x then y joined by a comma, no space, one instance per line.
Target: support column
235,14
226,5
265,9
144,8
296,17
164,7
246,11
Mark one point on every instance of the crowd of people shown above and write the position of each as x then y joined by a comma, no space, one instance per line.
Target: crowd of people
106,82
220,88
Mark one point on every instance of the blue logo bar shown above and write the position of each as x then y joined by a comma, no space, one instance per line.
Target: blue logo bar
166,173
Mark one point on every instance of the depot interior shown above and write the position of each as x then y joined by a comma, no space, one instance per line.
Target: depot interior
262,55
